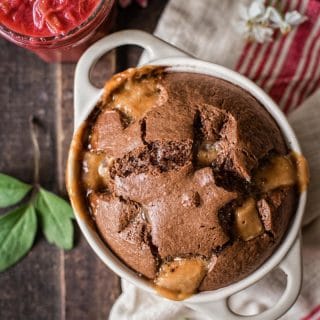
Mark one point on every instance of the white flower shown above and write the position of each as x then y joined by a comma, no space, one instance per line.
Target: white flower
291,19
294,18
252,22
259,22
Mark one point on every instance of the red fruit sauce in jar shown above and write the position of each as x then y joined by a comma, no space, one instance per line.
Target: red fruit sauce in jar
56,30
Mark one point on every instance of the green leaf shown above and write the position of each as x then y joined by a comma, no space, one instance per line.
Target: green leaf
12,190
17,231
55,215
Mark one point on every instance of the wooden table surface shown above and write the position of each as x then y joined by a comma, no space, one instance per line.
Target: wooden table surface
50,283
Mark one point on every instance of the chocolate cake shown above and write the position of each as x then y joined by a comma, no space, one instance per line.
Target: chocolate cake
187,178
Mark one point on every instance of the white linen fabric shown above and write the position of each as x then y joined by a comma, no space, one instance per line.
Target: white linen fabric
207,30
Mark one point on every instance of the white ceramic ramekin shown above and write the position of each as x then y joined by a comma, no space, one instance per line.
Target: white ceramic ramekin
287,257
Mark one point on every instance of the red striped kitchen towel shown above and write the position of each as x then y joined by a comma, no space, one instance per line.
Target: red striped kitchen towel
289,70
314,314
289,67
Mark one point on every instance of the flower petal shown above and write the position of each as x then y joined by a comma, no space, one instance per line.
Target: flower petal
294,18
256,9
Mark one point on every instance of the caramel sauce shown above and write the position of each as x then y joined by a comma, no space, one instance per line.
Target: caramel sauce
279,172
247,221
136,98
134,92
283,171
172,295
74,182
207,153
91,178
180,278
302,170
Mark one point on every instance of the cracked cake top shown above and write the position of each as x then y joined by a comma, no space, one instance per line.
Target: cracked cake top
187,178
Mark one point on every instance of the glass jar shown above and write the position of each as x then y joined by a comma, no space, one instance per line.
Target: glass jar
67,47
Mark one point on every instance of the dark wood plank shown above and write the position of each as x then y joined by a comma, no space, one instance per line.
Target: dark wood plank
91,288
31,289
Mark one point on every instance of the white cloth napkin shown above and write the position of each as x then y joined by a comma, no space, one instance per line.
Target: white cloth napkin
207,30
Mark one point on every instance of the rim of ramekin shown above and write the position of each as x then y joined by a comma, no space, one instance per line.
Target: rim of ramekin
184,64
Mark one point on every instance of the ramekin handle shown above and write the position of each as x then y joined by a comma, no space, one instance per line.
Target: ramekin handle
291,266
85,94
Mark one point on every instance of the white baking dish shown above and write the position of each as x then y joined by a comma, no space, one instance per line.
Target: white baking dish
287,256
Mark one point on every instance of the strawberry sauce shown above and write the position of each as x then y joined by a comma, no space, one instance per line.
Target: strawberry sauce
45,18
56,30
